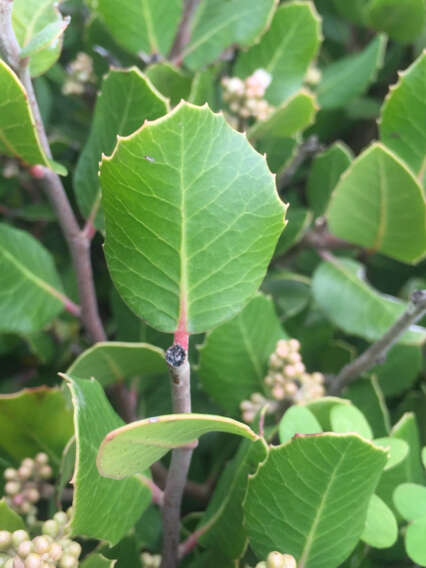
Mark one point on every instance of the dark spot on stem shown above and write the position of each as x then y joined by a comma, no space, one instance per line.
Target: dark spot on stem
175,355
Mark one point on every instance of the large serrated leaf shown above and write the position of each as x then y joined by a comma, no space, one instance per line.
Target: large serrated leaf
109,362
147,26
174,175
102,508
350,76
30,19
30,289
18,134
340,289
310,498
219,24
234,356
113,117
286,50
402,114
134,447
378,204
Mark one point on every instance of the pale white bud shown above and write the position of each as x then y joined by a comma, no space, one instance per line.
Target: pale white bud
33,561
294,344
42,458
5,540
10,474
12,487
41,544
25,548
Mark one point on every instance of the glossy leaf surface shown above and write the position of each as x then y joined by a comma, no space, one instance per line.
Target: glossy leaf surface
378,204
102,508
187,170
285,50
134,447
234,356
354,306
311,495
141,102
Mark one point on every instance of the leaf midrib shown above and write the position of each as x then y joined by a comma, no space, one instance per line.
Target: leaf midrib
311,535
32,277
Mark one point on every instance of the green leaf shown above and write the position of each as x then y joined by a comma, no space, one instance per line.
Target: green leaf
415,541
35,420
340,289
148,26
286,50
219,24
134,447
9,520
353,11
45,37
350,76
291,292
18,135
102,508
410,500
170,81
381,528
291,117
298,420
402,21
279,152
367,396
401,115
189,166
324,174
385,219
112,117
224,514
299,220
398,450
97,561
234,356
400,370
406,429
346,419
110,362
311,495
321,408
29,277
30,19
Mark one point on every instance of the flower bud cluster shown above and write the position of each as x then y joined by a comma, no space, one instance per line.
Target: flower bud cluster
51,549
278,560
287,380
80,72
246,98
150,560
287,377
24,485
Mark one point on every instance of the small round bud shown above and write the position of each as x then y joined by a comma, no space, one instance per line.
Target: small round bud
290,371
42,458
12,487
299,368
25,548
291,389
25,472
41,544
274,361
248,416
46,472
32,495
28,462
50,528
31,519
68,561
5,540
25,507
19,536
278,392
33,561
74,549
36,171
61,518
10,563
294,344
10,474
282,348
261,564
56,551
294,357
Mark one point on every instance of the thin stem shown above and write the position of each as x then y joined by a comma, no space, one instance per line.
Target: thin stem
184,32
179,369
77,240
157,493
376,353
306,149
